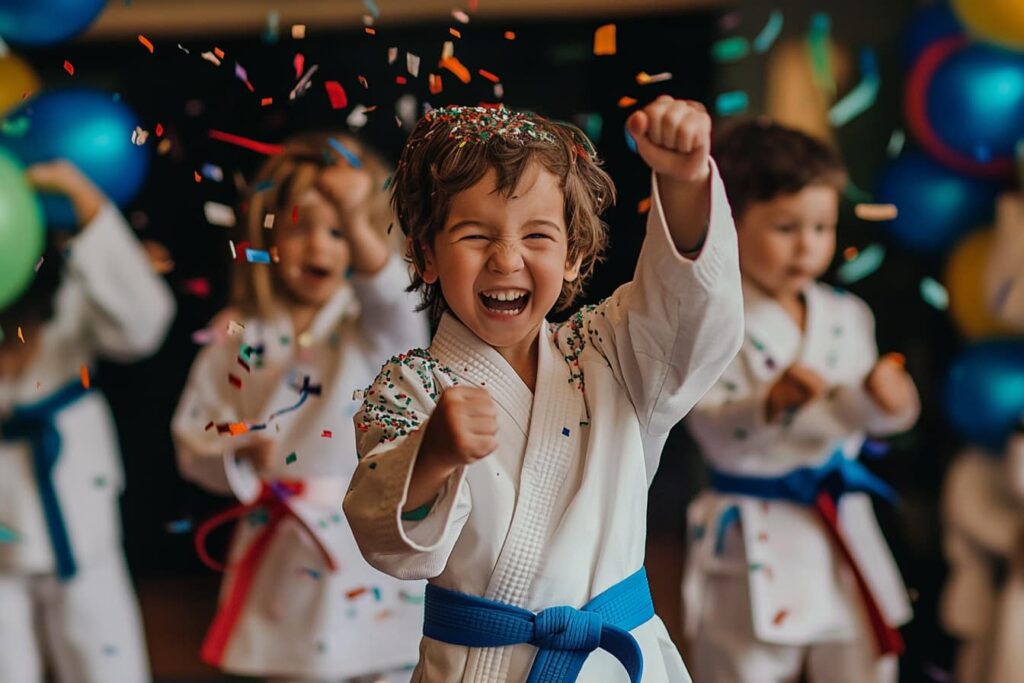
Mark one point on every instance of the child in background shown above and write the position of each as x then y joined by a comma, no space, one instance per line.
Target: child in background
65,593
509,462
1004,275
788,571
275,398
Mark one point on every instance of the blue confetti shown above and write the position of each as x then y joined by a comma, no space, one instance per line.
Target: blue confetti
865,263
7,535
262,186
179,526
372,8
630,142
351,158
732,102
766,38
863,95
257,256
565,431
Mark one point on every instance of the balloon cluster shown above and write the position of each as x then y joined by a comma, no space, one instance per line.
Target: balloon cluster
964,107
90,128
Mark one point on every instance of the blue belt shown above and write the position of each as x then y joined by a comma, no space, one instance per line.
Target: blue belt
36,423
564,636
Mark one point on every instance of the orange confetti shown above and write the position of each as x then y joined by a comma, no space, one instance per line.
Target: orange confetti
198,177
455,32
370,30
266,101
510,35
436,86
145,43
644,206
219,52
362,82
897,358
355,593
456,67
780,616
493,78
69,67
236,428
604,40
625,101
20,335
850,253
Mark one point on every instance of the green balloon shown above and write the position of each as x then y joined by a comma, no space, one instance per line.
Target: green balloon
22,232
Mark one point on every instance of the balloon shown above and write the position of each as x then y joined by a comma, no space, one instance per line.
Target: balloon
22,237
965,104
999,21
90,129
40,22
965,282
985,392
16,80
925,26
936,206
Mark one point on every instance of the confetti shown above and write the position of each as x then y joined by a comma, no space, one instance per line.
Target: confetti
861,265
238,140
863,95
212,172
355,593
336,94
392,54
372,8
178,526
455,32
896,142
39,263
197,286
630,142
456,67
767,36
370,31
235,328
299,64
145,43
266,101
21,337
730,49
219,214
644,205
311,573
210,57
934,294
644,78
435,84
69,67
235,381
819,39
876,212
298,31
447,50
83,373
732,102
304,83
780,616
412,64
460,16
290,459
625,101
8,535
327,434
510,35
257,256
346,154
493,78
139,136
268,221
604,40
15,127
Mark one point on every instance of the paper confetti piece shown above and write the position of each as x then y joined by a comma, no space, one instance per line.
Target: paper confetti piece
863,95
292,457
447,50
210,57
356,592
83,372
604,40
730,49
236,428
644,78
69,67
39,264
460,16
15,127
336,94
304,83
510,35
21,337
861,264
235,381
819,39
780,616
219,214
197,286
238,140
212,172
370,31
732,102
139,136
268,221
344,151
435,84
257,256
145,43
644,206
178,526
327,434
876,212
625,102
456,67
412,64
455,32
934,294
372,8
767,36
298,31
896,142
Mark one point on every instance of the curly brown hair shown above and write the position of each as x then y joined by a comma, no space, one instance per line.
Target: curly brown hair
759,160
452,148
277,187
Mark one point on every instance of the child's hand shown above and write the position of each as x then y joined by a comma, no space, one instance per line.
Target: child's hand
798,386
349,189
462,428
260,452
890,386
65,178
674,138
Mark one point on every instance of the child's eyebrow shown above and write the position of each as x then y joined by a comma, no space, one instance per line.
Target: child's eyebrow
467,223
543,221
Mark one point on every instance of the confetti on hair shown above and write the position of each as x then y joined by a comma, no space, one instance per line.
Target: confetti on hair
768,35
246,143
863,95
730,49
934,294
732,102
345,152
861,264
146,43
480,124
604,40
876,212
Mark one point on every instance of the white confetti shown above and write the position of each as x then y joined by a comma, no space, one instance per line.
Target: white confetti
219,214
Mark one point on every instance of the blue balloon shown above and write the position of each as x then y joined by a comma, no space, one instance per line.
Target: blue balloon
927,25
975,102
90,129
985,392
936,206
41,22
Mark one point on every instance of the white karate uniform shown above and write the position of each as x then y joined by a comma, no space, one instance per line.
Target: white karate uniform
777,583
301,620
1004,272
556,515
983,515
110,304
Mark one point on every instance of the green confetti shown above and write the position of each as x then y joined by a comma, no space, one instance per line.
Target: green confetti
896,142
732,102
863,95
292,457
934,294
766,38
819,40
15,128
730,49
8,535
865,263
857,195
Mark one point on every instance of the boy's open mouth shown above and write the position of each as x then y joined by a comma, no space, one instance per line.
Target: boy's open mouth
316,271
505,301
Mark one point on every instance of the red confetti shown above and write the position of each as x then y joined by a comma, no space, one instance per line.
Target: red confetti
400,80
510,35
254,145
159,130
327,434
435,84
299,63
219,52
145,42
235,381
488,75
69,67
198,177
198,286
266,101
336,93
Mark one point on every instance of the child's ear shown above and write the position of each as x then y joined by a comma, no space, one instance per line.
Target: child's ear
429,271
572,270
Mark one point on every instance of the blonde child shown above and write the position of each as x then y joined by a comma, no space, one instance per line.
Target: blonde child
788,571
509,462
65,594
265,416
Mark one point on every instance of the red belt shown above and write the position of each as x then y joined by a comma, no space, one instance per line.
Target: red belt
272,500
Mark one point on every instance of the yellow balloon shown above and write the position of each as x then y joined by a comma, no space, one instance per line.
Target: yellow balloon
965,281
16,79
998,21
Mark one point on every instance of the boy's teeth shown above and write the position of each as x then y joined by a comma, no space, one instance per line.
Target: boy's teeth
507,295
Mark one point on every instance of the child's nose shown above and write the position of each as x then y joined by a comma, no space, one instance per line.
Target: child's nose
505,258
